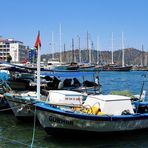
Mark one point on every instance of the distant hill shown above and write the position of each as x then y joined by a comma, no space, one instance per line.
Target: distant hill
132,56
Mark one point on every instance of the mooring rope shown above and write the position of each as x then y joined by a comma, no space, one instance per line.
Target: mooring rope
6,109
33,134
13,107
21,143
15,141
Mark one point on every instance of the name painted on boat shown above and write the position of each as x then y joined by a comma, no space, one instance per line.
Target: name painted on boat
76,99
58,120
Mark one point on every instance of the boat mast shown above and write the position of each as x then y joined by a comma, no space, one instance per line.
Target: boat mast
60,32
80,58
87,45
52,36
97,51
142,57
73,52
90,46
92,49
65,57
112,48
122,51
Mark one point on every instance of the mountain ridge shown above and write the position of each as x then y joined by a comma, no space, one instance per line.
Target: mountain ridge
132,56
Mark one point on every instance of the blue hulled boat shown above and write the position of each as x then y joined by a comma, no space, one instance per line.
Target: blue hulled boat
100,114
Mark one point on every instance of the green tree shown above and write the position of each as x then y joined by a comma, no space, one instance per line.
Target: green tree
9,58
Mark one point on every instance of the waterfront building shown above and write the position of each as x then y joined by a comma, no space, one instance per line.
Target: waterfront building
16,49
32,55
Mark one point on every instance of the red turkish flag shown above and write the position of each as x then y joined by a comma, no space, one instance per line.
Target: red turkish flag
38,41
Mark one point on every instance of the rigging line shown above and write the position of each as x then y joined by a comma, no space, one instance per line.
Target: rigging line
14,107
5,109
18,142
14,141
33,135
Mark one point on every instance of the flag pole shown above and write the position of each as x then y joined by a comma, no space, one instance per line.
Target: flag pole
38,47
38,73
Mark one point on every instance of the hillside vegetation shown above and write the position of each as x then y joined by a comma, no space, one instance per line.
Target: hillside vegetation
132,56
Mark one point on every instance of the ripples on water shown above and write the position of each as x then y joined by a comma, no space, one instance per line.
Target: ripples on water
131,81
19,135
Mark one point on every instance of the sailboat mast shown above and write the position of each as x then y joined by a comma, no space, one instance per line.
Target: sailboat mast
80,60
87,45
122,51
142,57
92,49
73,53
112,48
90,46
65,57
97,51
52,36
60,42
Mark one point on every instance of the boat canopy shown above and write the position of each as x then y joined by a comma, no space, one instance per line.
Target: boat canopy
18,68
68,74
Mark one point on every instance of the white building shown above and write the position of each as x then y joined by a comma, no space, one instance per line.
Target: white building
16,49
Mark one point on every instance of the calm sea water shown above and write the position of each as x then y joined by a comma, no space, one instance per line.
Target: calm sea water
15,134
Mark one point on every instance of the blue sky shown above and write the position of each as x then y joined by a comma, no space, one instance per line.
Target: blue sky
21,20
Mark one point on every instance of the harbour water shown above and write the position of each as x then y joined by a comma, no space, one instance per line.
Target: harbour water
20,135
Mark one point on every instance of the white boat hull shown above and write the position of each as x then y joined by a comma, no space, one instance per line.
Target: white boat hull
21,108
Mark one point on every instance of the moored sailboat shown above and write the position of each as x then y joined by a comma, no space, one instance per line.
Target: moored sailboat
115,67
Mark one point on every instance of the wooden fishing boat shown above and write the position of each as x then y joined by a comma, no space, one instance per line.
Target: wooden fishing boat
3,102
21,102
99,114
